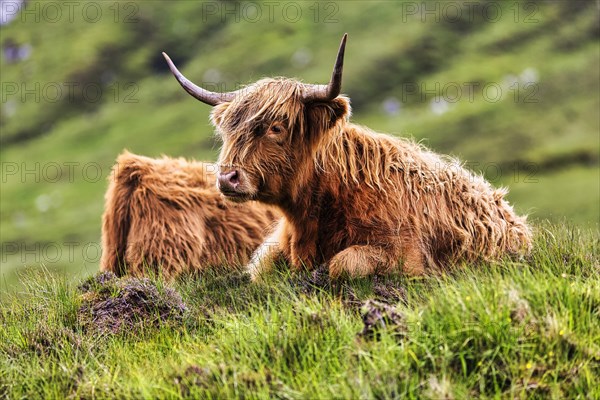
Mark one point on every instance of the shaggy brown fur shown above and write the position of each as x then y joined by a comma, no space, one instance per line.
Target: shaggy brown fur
360,201
167,216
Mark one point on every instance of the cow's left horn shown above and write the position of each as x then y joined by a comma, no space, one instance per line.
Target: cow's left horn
205,96
334,87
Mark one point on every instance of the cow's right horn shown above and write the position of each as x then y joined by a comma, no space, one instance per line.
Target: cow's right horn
205,96
334,87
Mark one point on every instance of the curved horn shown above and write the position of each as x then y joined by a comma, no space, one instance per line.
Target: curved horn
334,87
205,96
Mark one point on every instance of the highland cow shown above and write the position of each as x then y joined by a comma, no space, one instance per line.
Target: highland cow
358,201
166,217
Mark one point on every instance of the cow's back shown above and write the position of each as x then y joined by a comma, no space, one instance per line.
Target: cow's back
165,216
393,190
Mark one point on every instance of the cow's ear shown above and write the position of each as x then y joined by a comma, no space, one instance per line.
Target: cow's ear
324,116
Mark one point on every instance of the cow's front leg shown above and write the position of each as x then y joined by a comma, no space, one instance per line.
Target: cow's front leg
367,260
270,251
357,261
303,249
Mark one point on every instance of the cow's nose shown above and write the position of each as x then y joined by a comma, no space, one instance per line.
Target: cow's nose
229,181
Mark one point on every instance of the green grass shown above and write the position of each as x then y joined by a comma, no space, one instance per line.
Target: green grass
525,329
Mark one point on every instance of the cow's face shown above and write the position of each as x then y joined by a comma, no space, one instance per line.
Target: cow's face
271,131
270,136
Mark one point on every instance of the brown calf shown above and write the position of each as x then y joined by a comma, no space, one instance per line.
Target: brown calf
167,216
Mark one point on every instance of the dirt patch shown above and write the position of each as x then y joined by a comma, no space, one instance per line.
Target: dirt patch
378,317
519,307
313,281
388,292
113,305
45,342
317,280
195,377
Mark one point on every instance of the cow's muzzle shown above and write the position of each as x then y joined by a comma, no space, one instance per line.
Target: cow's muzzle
229,181
230,184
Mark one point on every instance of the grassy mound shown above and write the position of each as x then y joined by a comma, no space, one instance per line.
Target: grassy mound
115,305
522,330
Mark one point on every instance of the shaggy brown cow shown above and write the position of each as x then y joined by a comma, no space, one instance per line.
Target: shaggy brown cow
360,201
167,216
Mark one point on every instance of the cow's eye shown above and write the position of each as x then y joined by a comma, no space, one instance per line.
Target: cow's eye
275,129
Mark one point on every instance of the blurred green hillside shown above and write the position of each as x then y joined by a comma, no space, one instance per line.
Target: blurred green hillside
511,88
